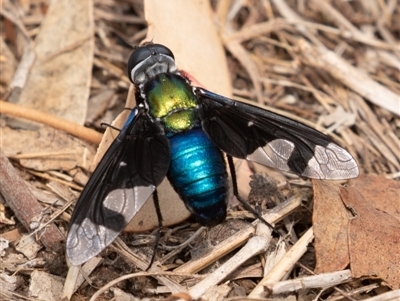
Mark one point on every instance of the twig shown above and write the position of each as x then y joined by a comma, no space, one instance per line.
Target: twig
50,120
179,248
120,247
388,296
284,265
23,203
350,76
256,245
136,275
315,281
235,241
333,14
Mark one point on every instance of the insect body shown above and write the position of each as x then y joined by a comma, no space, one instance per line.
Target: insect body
197,169
181,132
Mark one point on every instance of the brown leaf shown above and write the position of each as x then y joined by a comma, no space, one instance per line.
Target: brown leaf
45,286
187,28
374,240
58,84
50,149
59,81
381,193
330,219
7,66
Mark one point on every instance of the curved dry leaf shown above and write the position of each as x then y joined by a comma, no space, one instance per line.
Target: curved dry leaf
381,193
187,28
7,66
59,80
330,220
374,240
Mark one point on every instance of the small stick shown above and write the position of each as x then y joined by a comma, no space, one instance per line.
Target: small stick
315,281
284,265
388,296
256,245
349,76
274,215
23,203
50,120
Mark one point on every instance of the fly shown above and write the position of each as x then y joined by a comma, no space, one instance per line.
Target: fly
182,132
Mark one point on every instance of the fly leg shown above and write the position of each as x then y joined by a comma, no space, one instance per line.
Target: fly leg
245,204
160,224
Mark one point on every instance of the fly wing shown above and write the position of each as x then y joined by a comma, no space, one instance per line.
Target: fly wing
251,133
133,166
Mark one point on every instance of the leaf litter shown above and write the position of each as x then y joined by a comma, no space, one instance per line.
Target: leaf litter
354,226
331,65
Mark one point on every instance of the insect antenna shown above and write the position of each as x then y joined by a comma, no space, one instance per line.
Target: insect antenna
246,205
111,126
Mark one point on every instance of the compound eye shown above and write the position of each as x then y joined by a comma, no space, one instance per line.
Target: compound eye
160,49
145,51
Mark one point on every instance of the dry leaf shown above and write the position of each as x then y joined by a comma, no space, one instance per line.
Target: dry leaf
59,80
4,220
11,236
45,286
374,239
54,149
7,66
193,39
28,246
382,193
253,271
330,220
369,238
58,84
10,283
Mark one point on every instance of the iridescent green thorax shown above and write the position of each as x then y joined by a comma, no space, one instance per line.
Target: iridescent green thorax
171,99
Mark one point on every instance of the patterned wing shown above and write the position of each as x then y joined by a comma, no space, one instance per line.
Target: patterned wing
134,165
251,133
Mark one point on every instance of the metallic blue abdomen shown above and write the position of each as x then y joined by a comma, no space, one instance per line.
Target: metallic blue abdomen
198,173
